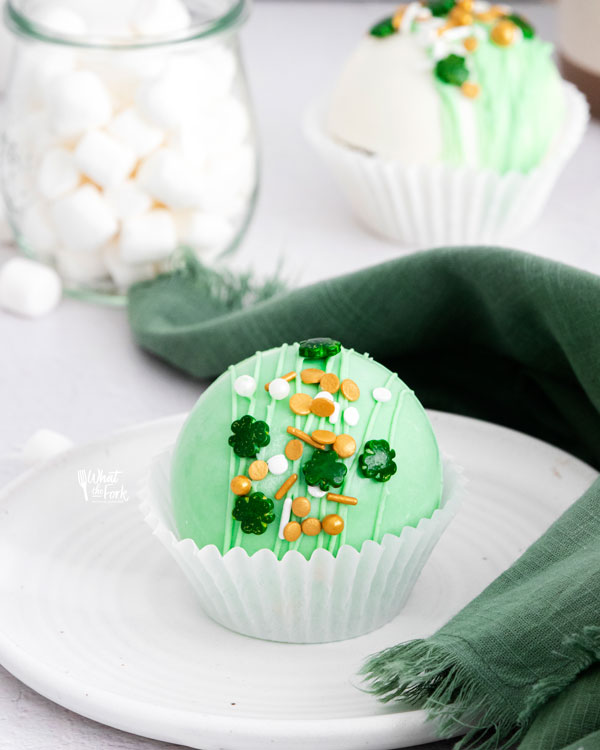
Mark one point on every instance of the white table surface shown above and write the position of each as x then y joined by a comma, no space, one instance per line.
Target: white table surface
78,371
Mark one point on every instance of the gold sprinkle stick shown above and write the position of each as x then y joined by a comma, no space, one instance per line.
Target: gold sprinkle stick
344,499
287,485
303,436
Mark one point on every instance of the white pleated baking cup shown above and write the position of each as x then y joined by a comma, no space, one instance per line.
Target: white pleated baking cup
296,600
426,205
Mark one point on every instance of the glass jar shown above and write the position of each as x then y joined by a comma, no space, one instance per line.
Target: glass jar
127,134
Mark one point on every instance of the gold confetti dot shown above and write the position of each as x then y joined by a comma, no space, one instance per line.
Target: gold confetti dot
292,531
325,437
311,526
300,403
471,44
311,375
470,90
333,524
330,382
301,507
322,407
503,33
258,470
350,391
294,450
241,485
344,446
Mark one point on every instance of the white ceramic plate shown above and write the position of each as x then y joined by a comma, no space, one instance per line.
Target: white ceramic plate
97,617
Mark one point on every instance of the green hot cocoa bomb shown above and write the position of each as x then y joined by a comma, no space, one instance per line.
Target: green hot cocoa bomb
394,472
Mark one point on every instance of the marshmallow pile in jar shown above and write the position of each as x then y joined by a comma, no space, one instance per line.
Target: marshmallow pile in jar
128,134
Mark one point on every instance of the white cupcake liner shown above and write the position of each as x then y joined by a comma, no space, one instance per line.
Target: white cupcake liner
295,600
426,205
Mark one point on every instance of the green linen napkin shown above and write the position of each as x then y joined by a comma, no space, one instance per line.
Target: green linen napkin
486,332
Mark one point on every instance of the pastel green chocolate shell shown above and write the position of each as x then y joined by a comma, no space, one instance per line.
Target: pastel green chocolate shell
204,463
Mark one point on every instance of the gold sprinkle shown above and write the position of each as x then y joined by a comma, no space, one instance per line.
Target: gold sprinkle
303,436
344,499
325,437
333,524
300,403
322,407
289,482
397,17
330,382
344,445
471,44
311,526
459,16
289,376
503,33
292,531
311,375
258,470
301,507
470,90
294,450
350,391
240,485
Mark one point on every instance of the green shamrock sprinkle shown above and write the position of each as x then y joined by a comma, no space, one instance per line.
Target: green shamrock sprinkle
377,461
383,28
255,513
319,348
452,70
523,24
249,436
440,7
324,471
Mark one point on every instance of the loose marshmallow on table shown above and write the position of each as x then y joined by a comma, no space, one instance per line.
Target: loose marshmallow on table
148,237
105,160
78,101
28,288
131,129
44,445
58,173
158,17
83,219
167,177
127,200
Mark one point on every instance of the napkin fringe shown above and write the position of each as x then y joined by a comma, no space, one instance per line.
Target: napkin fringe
420,672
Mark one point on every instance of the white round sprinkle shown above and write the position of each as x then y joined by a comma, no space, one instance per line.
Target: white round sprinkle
351,416
245,386
382,394
285,516
324,394
315,491
278,464
335,417
279,389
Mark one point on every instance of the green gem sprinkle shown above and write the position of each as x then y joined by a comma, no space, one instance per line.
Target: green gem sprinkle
383,28
440,7
319,348
452,70
377,461
523,24
324,471
249,436
255,512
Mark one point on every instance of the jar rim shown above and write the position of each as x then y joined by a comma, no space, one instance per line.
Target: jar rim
19,23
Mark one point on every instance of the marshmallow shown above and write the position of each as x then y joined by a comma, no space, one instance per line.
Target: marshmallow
167,177
129,128
58,19
166,100
278,464
204,231
78,101
351,416
29,288
127,200
58,173
103,159
43,445
279,389
158,17
245,386
81,268
37,231
83,219
148,237
125,274
382,394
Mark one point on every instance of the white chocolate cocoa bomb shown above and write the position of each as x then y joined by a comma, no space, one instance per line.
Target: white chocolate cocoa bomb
138,151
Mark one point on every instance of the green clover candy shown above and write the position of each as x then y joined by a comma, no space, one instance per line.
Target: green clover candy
377,461
255,512
249,436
